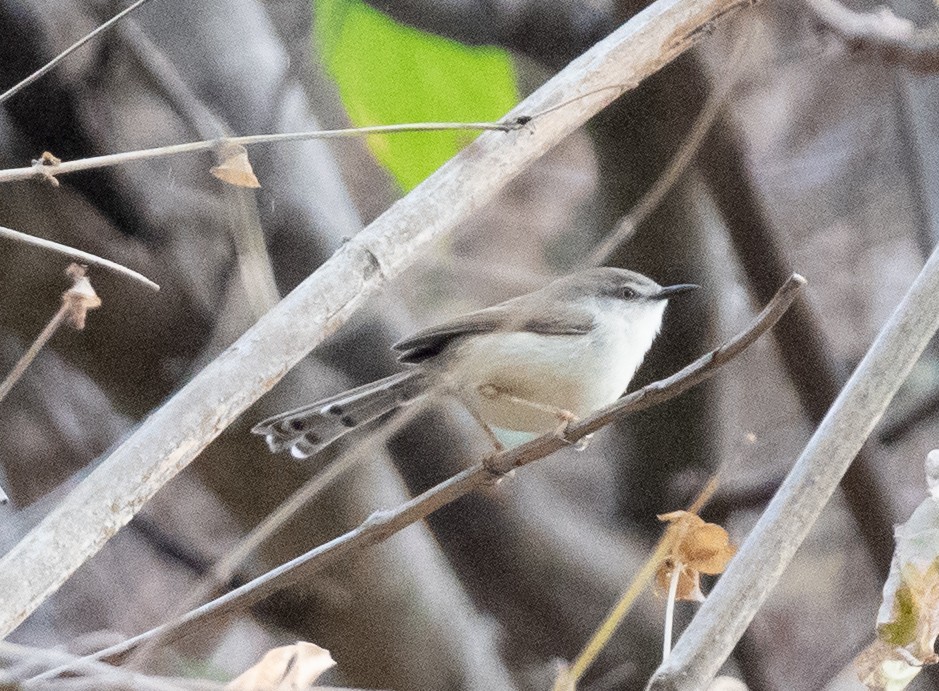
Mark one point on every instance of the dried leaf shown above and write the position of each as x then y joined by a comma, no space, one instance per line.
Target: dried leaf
80,298
235,167
689,582
883,667
48,159
908,620
44,165
698,547
289,668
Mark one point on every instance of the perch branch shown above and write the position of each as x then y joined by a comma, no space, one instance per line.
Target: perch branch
772,543
42,71
180,429
83,257
383,524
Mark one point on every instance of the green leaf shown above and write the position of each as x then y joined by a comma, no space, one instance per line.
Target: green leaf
389,73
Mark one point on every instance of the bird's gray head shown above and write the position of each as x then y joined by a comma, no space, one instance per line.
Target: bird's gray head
631,289
620,299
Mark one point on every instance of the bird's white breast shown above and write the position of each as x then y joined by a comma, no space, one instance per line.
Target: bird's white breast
576,373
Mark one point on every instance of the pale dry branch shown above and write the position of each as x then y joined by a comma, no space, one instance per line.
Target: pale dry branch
383,524
179,430
42,71
772,543
49,170
895,39
78,255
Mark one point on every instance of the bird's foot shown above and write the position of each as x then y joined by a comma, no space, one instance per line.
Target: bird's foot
565,418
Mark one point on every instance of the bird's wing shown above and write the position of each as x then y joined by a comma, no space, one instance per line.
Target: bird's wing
511,315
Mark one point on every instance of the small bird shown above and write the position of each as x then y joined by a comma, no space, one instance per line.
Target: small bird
530,364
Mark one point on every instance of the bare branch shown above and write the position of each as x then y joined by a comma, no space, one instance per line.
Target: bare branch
50,170
383,524
772,543
78,255
42,71
178,431
896,39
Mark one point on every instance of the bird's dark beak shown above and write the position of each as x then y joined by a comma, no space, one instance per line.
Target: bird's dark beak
671,291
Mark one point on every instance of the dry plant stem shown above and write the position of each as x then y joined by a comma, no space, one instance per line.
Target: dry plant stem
30,355
619,611
45,171
42,71
670,611
383,524
772,543
645,575
178,431
78,255
896,39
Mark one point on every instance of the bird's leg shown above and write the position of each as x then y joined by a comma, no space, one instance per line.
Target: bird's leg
565,417
486,428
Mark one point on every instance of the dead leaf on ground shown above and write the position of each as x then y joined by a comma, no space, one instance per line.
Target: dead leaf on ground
288,668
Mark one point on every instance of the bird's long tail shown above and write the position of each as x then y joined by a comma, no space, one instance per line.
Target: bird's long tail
308,429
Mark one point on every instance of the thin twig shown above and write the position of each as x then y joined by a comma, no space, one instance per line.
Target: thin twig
670,610
609,626
383,524
33,351
645,575
772,543
78,255
174,434
76,301
61,168
68,51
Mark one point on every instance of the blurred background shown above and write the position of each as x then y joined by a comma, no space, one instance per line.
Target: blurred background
805,153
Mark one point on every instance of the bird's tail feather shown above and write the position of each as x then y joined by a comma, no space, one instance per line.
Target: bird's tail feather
308,429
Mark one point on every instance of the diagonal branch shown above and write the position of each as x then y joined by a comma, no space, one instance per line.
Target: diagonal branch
42,71
179,430
383,524
772,543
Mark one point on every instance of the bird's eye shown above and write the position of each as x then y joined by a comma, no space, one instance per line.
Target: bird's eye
629,293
